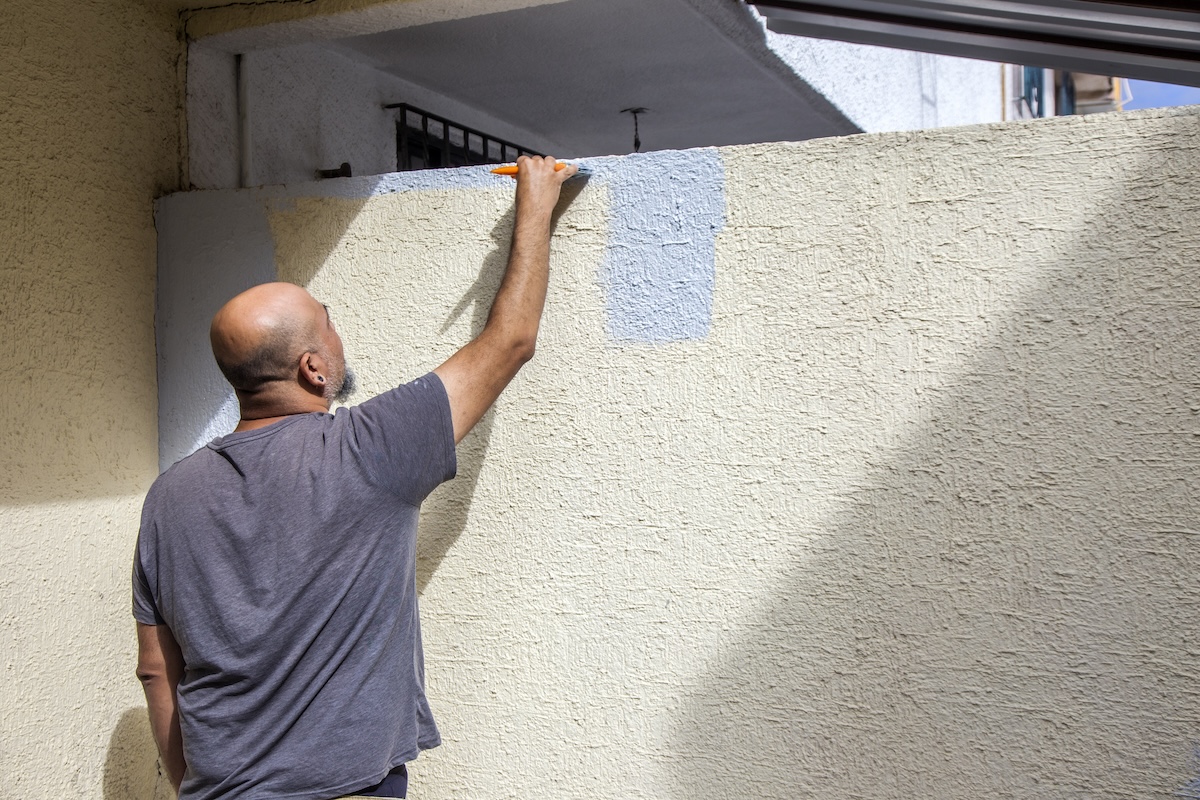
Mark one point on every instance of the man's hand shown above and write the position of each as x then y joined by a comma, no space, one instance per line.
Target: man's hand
539,184
476,374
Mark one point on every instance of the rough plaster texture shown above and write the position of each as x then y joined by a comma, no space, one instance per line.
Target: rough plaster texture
915,517
884,89
659,267
89,124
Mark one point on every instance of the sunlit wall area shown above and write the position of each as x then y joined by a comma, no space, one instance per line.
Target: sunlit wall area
855,467
91,136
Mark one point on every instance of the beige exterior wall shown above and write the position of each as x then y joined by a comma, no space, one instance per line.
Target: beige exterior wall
916,516
90,136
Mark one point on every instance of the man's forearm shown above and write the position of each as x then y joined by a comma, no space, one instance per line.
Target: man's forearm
517,309
164,725
160,668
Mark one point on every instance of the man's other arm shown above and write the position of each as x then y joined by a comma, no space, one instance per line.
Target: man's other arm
160,666
476,374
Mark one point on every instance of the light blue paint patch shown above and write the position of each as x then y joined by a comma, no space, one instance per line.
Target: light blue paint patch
659,270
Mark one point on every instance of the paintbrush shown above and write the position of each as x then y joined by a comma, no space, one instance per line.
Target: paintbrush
511,169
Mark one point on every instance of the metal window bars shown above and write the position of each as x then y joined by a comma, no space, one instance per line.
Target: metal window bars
428,141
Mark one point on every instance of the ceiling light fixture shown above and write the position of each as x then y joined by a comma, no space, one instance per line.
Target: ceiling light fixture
635,110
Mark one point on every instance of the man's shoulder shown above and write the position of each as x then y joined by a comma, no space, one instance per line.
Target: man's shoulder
427,383
184,473
189,464
426,390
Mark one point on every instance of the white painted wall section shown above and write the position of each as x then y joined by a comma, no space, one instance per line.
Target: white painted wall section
884,89
214,139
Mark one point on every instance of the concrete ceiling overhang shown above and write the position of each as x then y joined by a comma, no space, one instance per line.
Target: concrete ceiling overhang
566,70
250,25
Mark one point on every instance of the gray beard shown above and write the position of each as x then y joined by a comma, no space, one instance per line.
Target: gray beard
348,387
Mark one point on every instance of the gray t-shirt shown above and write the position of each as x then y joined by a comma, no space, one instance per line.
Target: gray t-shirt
282,559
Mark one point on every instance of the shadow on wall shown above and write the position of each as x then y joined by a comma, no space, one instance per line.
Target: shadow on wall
444,514
131,769
312,248
1008,608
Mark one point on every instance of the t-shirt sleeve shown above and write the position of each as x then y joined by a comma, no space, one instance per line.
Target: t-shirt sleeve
406,437
145,609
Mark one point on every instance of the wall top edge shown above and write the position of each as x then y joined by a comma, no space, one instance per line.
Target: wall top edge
598,167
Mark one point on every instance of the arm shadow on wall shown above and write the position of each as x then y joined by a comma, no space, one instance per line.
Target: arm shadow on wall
1007,607
444,515
131,768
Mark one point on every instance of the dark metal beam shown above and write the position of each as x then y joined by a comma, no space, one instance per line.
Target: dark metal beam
1127,40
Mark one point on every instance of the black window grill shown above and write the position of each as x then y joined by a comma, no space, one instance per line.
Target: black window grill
427,141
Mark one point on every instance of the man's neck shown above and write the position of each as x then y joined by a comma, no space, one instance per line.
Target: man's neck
258,411
259,422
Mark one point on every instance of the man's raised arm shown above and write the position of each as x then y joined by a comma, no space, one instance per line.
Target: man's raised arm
476,374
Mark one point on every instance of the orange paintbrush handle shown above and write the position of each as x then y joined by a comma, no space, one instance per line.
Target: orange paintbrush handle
511,169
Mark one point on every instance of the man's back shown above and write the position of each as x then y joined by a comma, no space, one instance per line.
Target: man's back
278,641
282,558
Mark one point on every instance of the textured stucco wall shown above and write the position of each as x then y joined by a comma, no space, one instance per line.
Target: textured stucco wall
876,478
90,127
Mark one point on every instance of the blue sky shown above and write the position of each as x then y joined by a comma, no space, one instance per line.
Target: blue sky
1157,95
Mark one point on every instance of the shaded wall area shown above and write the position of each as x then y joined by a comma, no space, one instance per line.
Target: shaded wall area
992,376
91,136
907,507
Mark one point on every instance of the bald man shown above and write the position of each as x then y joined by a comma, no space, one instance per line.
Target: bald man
274,580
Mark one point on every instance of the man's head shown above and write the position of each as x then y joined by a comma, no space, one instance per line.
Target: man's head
275,341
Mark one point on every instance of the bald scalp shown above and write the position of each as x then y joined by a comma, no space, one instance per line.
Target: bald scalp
259,336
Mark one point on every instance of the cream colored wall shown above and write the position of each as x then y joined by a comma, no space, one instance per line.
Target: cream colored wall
915,517
90,136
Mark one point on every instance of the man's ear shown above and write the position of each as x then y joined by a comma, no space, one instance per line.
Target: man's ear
313,373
